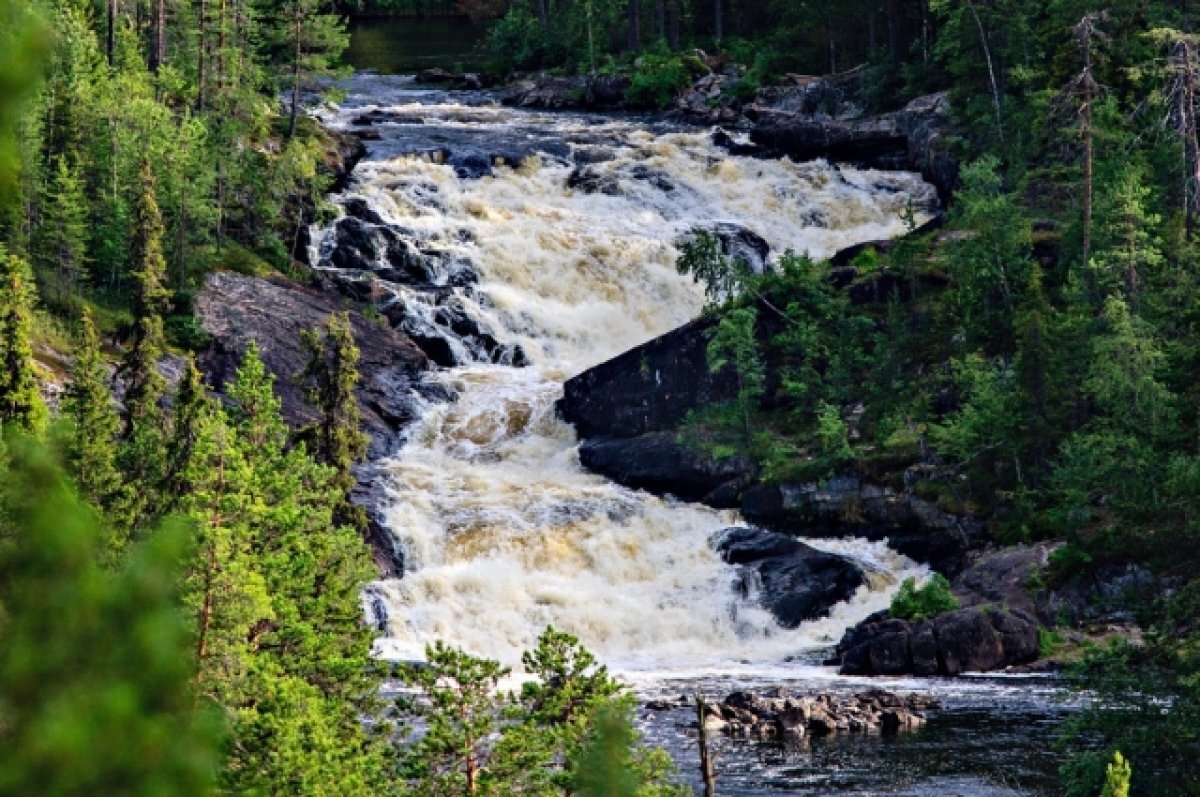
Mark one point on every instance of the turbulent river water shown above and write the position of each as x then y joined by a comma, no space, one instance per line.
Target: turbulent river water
504,533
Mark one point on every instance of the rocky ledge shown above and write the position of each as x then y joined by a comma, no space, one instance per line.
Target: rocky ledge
966,640
747,715
234,309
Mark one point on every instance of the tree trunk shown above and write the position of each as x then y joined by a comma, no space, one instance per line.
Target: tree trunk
673,24
635,25
1191,150
543,12
895,31
987,52
660,19
296,75
707,761
201,59
718,21
110,43
160,34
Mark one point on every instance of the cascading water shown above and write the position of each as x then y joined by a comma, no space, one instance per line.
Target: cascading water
570,247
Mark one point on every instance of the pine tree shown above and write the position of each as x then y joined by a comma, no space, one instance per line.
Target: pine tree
91,447
21,404
330,379
462,708
62,233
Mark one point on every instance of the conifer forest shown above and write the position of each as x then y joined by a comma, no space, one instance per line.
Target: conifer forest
600,398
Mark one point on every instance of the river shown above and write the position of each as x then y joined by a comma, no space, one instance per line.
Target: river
505,533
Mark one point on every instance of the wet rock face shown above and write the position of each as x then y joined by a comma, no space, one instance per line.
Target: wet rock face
794,581
915,137
600,92
979,639
411,283
659,463
234,309
781,715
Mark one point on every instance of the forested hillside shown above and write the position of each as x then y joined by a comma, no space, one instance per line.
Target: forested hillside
180,573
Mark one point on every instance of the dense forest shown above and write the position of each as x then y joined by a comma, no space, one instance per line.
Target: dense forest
180,574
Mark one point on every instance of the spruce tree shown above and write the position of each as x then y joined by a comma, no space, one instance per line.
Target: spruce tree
330,379
146,385
21,404
91,446
143,456
256,408
62,233
188,412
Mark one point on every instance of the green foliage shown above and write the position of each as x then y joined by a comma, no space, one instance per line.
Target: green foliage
921,603
603,768
734,347
1117,777
658,78
92,442
701,258
23,45
330,379
21,405
123,718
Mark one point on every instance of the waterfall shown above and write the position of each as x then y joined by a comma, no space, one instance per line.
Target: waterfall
568,226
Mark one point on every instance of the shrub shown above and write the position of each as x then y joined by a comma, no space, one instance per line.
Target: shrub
921,603
658,80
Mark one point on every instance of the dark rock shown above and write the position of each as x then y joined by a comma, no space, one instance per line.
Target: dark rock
235,309
964,640
745,714
739,546
598,92
650,388
967,642
438,77
738,243
658,462
916,137
1003,577
793,581
846,505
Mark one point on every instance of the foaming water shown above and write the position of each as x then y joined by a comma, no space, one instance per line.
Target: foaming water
574,242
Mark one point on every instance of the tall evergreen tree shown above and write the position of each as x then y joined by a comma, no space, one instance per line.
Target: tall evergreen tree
145,384
62,233
91,447
21,404
330,379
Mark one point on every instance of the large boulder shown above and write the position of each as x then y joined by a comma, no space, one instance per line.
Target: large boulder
974,639
794,581
650,388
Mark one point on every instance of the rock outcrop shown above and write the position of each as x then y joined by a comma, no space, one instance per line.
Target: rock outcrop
235,309
793,581
629,412
915,138
561,93
747,715
843,505
977,639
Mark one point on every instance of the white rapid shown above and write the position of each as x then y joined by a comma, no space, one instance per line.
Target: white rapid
504,532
